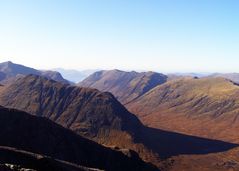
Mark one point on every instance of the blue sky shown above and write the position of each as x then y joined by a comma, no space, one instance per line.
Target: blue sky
160,35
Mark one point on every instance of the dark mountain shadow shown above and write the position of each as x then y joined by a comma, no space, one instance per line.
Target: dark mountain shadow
39,135
23,159
168,144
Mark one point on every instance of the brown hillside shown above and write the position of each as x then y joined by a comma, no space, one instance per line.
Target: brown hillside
207,107
69,105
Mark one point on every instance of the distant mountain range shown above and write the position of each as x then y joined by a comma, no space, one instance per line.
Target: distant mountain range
9,71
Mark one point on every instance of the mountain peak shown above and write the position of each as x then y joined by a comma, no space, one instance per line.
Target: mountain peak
9,62
11,71
125,86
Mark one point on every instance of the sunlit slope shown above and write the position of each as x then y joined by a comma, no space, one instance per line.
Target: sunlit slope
207,107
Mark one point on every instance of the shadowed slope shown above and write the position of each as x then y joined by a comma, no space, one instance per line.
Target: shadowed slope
125,86
20,160
168,144
40,135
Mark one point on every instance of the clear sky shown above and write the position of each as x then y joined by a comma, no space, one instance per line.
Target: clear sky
160,35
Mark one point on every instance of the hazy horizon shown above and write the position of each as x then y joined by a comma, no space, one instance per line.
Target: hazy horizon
92,70
177,36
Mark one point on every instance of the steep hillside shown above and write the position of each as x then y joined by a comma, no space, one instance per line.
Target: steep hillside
69,105
100,117
125,86
12,70
40,135
205,107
